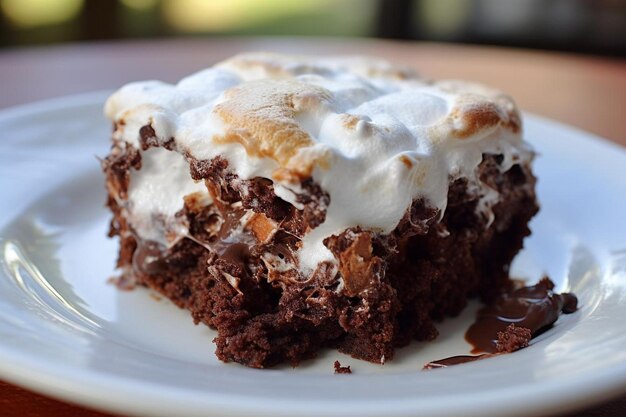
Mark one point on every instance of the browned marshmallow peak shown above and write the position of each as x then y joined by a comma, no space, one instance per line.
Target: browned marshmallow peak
373,136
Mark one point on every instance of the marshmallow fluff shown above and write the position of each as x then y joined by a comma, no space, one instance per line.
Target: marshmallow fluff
373,136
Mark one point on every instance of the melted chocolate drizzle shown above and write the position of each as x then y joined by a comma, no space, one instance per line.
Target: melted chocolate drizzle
535,308
149,257
237,253
456,360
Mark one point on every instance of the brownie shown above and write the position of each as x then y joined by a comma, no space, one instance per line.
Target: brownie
242,254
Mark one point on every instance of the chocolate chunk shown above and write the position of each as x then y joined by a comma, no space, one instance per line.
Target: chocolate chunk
359,268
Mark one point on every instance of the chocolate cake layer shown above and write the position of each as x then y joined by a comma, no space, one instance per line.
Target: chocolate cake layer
236,270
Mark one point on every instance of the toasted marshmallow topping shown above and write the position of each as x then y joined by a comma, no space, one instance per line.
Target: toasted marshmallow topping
375,137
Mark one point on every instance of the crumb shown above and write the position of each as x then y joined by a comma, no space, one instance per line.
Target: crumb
122,283
570,303
155,296
513,338
547,282
341,369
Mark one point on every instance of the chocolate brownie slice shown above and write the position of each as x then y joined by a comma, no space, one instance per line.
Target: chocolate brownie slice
296,203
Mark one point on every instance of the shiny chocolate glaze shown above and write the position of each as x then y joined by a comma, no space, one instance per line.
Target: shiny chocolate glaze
514,317
536,307
456,360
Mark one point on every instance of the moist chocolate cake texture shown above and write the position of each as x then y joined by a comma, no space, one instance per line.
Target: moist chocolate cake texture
294,204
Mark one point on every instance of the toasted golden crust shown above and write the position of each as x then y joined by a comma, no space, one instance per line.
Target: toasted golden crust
308,113
261,116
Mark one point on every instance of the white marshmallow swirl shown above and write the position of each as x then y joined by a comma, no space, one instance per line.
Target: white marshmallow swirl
375,137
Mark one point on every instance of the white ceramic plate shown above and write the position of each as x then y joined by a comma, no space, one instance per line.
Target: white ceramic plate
66,332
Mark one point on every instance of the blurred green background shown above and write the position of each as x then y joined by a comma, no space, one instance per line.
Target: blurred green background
590,26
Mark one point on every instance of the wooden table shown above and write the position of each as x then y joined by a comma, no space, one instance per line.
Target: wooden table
586,92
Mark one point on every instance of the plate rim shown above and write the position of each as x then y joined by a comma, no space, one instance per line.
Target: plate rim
538,399
80,386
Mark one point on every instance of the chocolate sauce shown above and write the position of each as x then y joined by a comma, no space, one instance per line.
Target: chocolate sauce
237,253
536,308
456,360
234,252
232,221
511,320
149,257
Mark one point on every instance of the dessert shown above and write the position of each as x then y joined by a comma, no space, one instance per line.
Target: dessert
295,203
